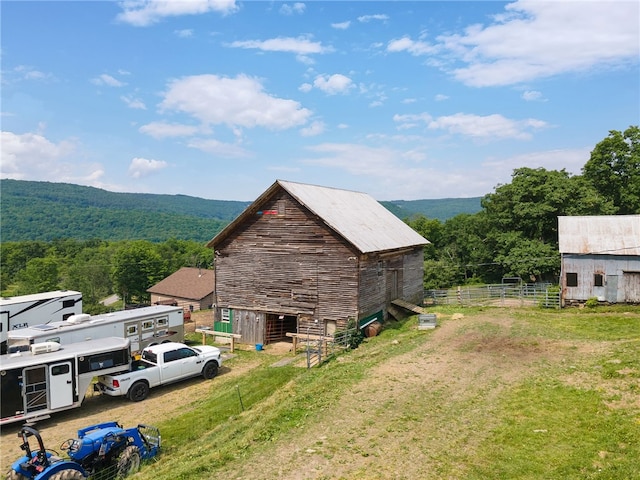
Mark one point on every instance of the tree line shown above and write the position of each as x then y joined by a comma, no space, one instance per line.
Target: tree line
515,234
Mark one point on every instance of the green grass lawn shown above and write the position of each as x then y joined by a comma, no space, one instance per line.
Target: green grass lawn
573,412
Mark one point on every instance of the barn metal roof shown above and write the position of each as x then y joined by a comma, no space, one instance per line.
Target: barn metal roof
356,216
601,235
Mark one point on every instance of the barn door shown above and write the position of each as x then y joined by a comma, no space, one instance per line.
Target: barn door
611,289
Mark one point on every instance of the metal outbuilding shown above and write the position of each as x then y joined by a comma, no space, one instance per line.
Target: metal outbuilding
600,258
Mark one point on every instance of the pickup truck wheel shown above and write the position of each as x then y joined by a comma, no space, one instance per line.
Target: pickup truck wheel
138,391
128,461
210,370
68,474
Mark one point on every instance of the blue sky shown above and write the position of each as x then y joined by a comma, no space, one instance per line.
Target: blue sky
401,100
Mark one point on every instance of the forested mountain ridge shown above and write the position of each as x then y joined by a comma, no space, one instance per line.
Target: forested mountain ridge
46,211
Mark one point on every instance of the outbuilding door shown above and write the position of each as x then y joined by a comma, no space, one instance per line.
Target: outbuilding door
631,285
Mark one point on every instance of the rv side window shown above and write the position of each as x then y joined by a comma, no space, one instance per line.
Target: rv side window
572,279
60,369
162,321
147,325
53,339
132,329
68,303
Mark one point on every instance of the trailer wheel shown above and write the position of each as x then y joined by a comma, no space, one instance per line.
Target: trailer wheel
128,461
13,475
138,391
68,474
210,370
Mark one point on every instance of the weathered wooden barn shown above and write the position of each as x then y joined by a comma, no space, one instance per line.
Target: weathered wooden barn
600,258
307,259
190,288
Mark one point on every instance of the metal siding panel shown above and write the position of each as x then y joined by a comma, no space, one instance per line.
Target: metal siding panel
604,234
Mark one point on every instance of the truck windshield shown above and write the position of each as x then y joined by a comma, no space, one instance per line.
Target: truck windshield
150,357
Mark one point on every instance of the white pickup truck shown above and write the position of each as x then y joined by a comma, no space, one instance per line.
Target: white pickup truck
159,365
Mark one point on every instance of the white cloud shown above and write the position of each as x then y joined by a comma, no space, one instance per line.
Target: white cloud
532,95
299,45
305,87
165,130
134,103
333,84
143,167
107,80
536,39
239,102
369,18
220,149
287,9
184,33
570,159
441,97
316,128
142,13
476,126
417,47
341,25
31,156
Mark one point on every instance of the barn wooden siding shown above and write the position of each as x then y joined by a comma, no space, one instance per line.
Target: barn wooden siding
286,263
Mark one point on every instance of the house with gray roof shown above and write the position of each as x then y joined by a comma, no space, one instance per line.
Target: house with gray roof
307,259
600,258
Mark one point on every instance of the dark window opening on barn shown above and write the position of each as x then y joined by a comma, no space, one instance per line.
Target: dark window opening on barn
281,207
598,280
380,268
572,279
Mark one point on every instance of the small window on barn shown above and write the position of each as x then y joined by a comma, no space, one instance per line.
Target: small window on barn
572,279
380,268
598,280
226,315
281,207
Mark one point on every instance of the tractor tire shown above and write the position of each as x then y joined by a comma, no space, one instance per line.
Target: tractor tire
68,474
210,370
13,475
128,461
138,391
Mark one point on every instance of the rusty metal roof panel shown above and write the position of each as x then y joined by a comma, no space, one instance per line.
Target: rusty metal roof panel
357,216
600,235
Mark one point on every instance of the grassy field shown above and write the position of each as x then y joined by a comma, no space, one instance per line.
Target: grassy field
490,393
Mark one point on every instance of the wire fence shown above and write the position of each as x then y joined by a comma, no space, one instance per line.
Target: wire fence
543,295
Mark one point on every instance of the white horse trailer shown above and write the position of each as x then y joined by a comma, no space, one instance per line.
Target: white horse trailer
51,377
142,326
36,309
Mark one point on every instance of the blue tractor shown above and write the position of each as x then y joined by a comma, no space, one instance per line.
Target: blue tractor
104,451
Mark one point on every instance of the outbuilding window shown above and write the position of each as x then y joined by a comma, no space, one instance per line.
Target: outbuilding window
572,279
598,280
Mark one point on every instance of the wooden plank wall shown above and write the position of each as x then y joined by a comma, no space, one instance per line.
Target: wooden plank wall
289,263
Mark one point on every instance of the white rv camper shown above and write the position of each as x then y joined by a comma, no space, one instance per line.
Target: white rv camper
142,326
36,309
51,377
